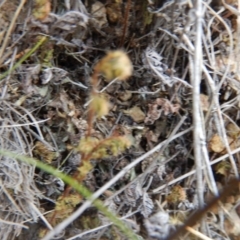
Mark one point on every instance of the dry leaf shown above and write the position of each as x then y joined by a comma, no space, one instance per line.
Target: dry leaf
232,223
136,114
64,106
125,96
223,168
204,102
133,193
98,12
177,194
151,137
158,226
112,206
161,171
154,112
148,205
154,61
80,124
114,11
70,21
167,106
233,130
44,152
21,100
148,161
216,144
32,75
223,61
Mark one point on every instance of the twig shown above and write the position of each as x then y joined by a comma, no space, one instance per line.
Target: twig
227,65
238,40
10,29
88,203
25,124
13,224
40,215
196,74
157,190
101,227
125,24
30,116
198,234
4,91
25,56
109,84
195,217
216,90
215,103
167,141
76,185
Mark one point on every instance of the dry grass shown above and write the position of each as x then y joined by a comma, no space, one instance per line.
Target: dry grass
185,84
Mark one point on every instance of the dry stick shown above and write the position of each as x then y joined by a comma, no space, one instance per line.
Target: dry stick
140,177
125,25
24,57
157,190
221,123
198,234
192,49
217,89
212,62
168,140
195,217
13,224
40,215
209,176
10,29
100,227
211,181
10,198
1,4
196,74
224,135
88,203
230,8
25,124
227,65
94,92
5,88
34,121
238,41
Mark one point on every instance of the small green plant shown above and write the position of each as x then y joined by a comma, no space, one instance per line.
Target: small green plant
75,185
115,64
29,52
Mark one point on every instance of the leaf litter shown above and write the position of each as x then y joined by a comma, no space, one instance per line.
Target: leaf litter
43,113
